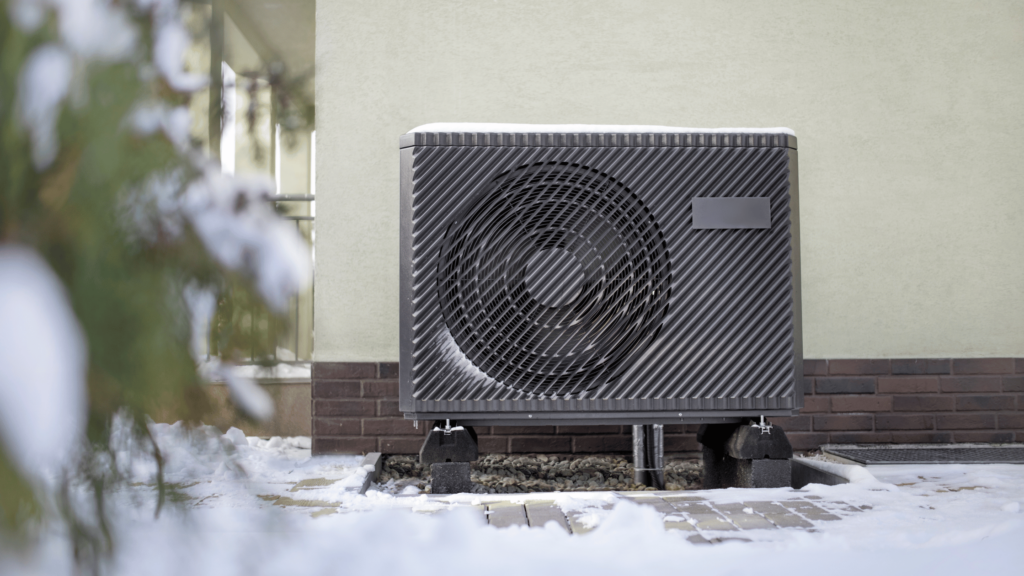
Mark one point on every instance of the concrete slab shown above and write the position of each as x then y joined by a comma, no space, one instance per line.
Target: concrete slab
679,525
539,513
286,501
736,513
693,514
697,539
809,510
689,507
713,523
788,521
676,497
652,501
575,518
505,514
312,483
324,512
480,510
762,507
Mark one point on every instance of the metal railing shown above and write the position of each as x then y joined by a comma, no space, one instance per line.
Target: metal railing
299,338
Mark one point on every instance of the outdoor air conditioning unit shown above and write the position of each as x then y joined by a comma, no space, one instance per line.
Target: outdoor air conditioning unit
599,275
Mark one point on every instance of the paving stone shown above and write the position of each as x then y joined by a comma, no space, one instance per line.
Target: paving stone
655,502
575,526
312,483
721,540
575,519
750,522
677,498
698,539
540,513
833,507
712,522
734,512
692,507
286,501
481,510
505,514
731,507
679,525
809,510
324,512
684,513
766,507
788,521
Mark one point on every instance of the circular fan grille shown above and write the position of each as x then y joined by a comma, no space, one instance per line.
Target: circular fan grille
554,278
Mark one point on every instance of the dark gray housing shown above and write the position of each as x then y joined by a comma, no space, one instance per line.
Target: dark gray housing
599,278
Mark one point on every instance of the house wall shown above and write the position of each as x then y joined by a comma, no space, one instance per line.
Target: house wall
912,201
912,207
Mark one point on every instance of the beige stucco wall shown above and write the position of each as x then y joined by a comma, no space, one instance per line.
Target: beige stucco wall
908,116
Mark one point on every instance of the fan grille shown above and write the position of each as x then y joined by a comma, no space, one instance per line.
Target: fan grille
554,278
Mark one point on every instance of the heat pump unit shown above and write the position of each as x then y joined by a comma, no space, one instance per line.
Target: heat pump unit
609,274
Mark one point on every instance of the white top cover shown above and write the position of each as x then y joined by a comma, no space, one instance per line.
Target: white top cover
496,128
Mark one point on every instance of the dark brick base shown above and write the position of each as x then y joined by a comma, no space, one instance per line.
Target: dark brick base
910,401
355,410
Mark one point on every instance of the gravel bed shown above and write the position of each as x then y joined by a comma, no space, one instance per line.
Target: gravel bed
504,474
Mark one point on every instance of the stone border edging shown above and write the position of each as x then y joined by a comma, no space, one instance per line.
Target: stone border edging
806,471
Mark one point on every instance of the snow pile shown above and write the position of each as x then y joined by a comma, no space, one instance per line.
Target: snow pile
89,30
854,474
939,520
170,43
42,87
174,122
232,216
302,371
95,29
204,454
43,360
245,392
237,223
496,128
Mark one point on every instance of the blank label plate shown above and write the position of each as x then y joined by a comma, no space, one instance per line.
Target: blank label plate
730,213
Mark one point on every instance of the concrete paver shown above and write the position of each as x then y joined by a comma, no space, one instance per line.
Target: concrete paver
809,510
738,515
788,521
706,517
540,513
575,518
703,519
655,502
679,524
312,483
505,514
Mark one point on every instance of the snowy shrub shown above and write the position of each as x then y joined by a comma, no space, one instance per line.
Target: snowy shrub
116,230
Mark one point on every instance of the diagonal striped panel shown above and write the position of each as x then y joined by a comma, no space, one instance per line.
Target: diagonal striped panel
567,278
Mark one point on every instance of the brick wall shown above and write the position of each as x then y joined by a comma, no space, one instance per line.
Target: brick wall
909,401
355,410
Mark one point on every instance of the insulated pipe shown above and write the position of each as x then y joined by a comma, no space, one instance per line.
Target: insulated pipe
639,455
649,455
655,436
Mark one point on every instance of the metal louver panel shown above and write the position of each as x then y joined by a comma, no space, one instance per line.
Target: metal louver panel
568,280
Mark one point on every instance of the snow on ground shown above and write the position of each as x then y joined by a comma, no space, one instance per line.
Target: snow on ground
936,520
